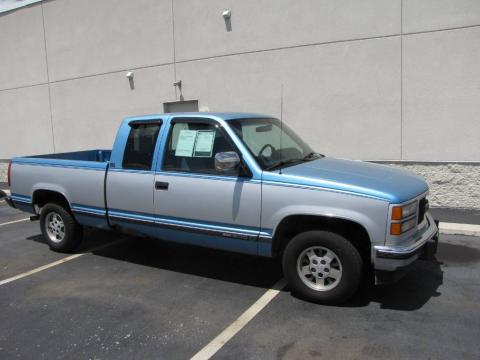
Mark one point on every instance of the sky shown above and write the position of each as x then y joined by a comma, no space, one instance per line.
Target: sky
6,5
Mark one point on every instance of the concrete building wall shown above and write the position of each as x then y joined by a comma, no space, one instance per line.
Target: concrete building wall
25,121
91,37
87,111
22,49
441,101
201,31
331,92
394,80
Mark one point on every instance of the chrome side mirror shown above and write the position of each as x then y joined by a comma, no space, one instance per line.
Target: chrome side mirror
227,161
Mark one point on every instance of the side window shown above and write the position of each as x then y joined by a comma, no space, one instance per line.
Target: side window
192,147
140,146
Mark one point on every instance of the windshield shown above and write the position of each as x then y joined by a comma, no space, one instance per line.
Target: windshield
273,145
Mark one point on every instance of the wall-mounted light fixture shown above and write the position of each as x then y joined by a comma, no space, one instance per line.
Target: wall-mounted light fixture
129,76
178,85
227,14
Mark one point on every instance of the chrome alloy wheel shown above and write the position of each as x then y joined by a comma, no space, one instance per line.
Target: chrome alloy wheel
55,227
319,268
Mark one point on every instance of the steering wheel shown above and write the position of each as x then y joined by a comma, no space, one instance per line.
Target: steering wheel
264,147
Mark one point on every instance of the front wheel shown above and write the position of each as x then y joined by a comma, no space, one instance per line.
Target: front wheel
322,267
60,230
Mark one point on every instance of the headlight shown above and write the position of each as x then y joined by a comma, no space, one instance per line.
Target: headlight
405,211
401,227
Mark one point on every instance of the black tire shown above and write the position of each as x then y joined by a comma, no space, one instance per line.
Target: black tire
350,263
73,232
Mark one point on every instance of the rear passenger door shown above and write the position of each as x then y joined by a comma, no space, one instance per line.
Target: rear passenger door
130,183
197,204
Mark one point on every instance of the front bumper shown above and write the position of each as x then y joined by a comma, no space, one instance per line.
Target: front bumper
391,262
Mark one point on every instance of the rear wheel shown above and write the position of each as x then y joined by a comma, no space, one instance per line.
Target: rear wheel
60,230
323,267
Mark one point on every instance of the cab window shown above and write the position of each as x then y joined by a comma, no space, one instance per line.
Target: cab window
192,146
140,146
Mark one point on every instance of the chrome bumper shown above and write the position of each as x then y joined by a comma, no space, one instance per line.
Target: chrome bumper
390,258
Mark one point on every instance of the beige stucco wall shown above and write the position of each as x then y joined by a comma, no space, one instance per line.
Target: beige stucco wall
453,185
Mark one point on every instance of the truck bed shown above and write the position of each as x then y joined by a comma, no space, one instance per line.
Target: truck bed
88,156
79,176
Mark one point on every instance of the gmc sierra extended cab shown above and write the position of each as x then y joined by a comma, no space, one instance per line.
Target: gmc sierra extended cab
237,182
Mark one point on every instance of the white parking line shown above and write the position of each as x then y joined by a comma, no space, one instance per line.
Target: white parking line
55,263
41,268
14,221
216,344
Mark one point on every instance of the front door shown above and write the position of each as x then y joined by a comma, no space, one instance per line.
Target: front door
196,204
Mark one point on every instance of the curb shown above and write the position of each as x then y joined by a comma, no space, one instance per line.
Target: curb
459,229
6,192
446,228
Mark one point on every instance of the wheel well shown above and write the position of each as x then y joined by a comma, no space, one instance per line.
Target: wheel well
43,197
296,224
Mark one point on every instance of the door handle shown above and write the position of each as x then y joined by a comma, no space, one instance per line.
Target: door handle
160,185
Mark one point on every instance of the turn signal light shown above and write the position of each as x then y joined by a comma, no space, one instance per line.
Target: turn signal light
396,229
397,213
400,228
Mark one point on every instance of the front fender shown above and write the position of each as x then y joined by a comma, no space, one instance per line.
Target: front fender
281,202
330,212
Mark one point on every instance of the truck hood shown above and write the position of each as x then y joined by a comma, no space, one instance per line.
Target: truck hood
368,179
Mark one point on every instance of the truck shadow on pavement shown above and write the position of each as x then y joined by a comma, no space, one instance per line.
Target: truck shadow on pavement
92,239
197,261
421,283
410,293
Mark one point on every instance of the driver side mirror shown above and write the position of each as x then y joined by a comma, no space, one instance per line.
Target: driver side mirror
227,161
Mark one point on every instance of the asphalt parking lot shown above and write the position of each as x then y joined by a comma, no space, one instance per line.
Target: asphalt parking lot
141,298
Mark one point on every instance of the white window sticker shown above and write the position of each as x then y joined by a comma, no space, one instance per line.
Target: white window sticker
186,142
204,143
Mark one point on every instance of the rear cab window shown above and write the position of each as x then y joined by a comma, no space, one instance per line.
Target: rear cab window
140,146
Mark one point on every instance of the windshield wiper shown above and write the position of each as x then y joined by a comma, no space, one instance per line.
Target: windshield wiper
312,155
283,163
308,157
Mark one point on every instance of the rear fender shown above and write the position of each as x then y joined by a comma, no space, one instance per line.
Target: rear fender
49,187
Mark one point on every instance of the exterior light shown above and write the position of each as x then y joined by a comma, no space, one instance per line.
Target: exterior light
227,14
178,84
402,212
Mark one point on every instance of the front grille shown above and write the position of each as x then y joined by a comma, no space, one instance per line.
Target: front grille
422,209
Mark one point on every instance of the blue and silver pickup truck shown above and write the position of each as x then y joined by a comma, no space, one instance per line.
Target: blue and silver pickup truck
239,182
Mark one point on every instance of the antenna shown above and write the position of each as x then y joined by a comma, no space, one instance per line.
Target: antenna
281,127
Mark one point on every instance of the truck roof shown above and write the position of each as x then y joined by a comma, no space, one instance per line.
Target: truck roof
220,115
